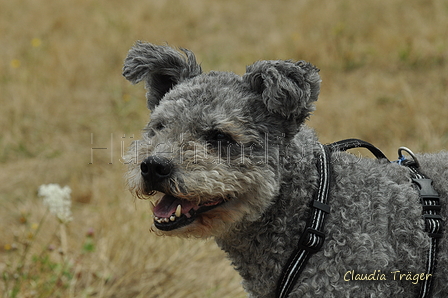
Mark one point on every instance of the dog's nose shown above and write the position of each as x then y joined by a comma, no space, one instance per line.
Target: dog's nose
156,168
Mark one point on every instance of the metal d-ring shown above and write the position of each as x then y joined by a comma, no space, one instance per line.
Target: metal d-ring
409,151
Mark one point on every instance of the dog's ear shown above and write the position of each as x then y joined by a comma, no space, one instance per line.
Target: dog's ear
161,67
286,88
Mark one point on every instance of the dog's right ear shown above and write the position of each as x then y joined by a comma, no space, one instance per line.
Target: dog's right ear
162,67
285,87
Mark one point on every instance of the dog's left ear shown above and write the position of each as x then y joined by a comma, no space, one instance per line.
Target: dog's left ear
161,67
286,88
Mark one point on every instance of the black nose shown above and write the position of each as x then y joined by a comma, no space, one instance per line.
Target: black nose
155,169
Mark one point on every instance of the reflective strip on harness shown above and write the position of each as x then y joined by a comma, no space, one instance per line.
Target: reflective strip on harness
430,201
312,237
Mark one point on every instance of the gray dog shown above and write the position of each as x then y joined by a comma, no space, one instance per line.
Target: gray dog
230,157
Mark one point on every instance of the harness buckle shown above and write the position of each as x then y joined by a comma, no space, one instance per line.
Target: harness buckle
425,188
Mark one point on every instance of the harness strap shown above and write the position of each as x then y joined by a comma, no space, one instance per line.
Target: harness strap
347,144
313,237
430,201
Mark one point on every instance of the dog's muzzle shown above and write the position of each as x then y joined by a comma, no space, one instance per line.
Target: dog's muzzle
171,212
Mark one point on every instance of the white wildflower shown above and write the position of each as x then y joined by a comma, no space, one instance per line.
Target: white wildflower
58,201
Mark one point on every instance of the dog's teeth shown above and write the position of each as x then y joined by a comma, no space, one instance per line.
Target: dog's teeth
165,219
178,212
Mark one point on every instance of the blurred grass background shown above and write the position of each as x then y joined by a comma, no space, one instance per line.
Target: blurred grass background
384,66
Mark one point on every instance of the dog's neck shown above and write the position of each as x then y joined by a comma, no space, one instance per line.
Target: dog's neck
276,233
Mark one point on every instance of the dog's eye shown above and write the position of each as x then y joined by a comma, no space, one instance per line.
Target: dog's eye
216,136
159,126
152,128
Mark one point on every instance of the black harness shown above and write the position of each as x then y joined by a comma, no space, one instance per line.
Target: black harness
313,237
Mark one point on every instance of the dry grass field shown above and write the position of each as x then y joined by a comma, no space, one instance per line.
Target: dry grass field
384,66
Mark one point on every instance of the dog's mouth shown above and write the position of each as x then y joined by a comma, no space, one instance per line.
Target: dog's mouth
172,213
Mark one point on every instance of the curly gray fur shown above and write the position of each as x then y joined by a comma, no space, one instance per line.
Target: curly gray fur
267,175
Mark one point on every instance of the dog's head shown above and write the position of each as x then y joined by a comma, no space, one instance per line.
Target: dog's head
209,156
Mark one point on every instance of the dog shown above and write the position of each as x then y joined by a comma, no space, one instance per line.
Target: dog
230,157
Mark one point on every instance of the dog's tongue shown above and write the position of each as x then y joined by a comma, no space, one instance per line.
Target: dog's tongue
168,204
